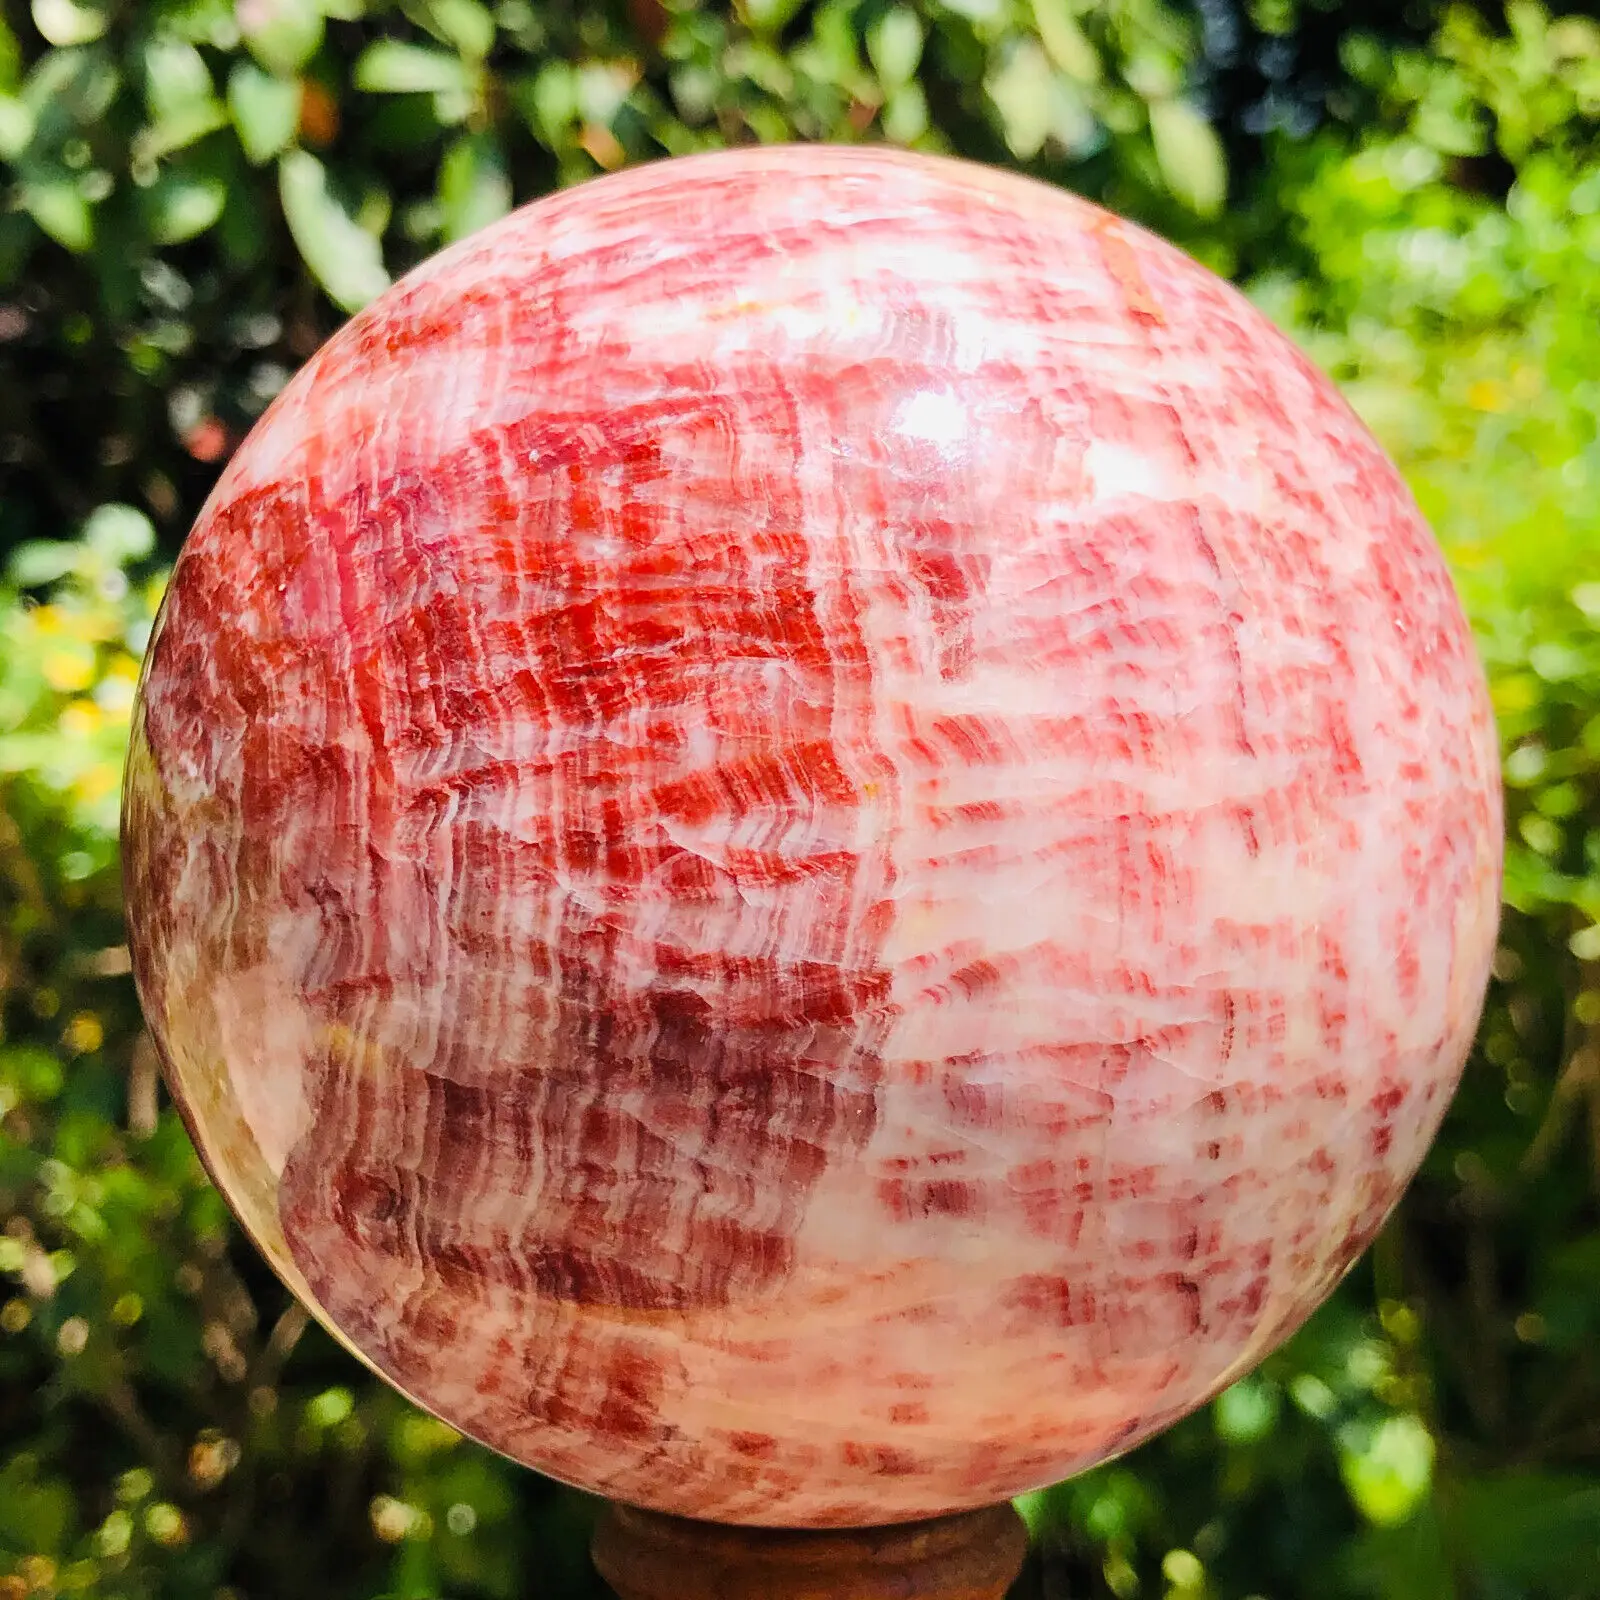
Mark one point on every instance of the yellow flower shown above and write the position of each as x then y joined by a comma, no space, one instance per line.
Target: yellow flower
84,1033
80,719
68,670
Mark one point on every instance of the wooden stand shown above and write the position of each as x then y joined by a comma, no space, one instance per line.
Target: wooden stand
973,1556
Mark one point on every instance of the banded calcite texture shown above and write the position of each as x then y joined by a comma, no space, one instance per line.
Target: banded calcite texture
811,835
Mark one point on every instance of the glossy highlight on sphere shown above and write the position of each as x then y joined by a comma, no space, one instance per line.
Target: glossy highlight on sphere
811,836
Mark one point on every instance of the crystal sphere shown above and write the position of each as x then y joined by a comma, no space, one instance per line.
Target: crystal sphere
811,836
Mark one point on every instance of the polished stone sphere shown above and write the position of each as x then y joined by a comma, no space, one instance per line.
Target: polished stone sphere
811,836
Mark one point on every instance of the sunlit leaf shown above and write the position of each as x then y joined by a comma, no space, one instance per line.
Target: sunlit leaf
69,22
979,11
77,84
175,77
552,100
283,35
1575,39
184,127
343,257
180,205
391,66
894,46
474,189
16,127
1528,20
59,207
768,16
1190,155
1246,1412
1022,91
119,534
206,22
1388,1469
601,87
40,562
266,110
1065,41
905,115
464,24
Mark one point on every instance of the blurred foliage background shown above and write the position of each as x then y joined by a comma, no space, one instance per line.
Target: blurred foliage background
195,193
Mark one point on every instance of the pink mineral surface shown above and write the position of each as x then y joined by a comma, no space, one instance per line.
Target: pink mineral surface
812,836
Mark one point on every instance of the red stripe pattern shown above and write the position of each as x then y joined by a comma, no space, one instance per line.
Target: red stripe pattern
812,836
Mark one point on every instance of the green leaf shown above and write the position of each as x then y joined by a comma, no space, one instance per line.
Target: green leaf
1246,1412
35,1514
266,110
1388,1469
602,88
1065,41
769,16
119,533
65,23
550,103
1531,1529
34,1070
465,24
41,562
1023,93
341,255
71,86
180,130
833,53
982,12
62,212
375,210
473,187
16,127
1528,20
390,66
1190,156
181,205
1406,1561
905,114
1574,38
10,58
894,46
212,22
175,77
283,35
